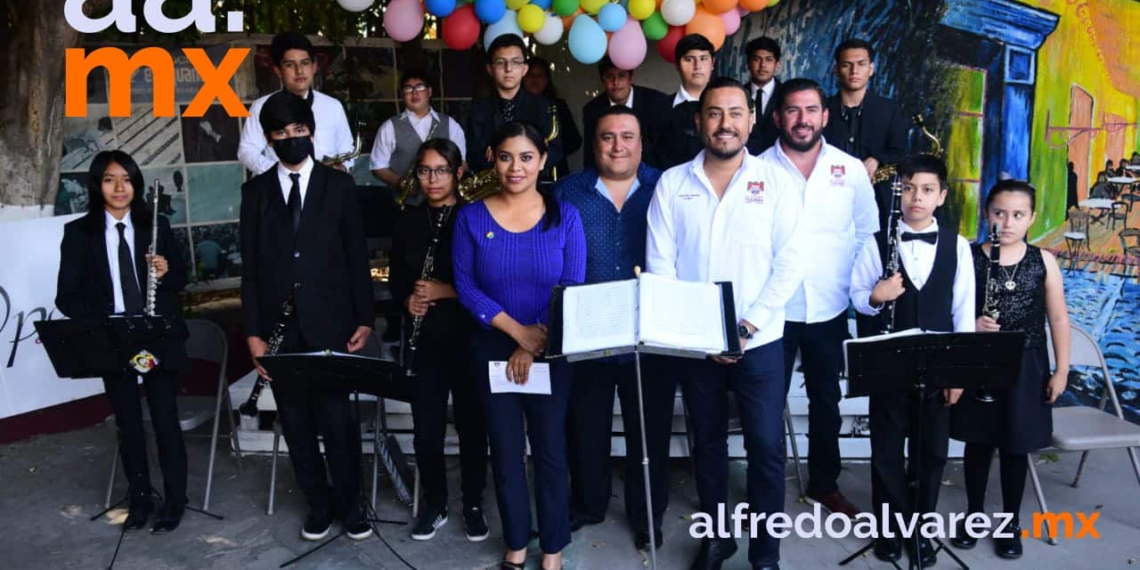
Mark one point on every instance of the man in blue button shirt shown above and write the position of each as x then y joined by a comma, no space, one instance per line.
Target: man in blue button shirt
613,199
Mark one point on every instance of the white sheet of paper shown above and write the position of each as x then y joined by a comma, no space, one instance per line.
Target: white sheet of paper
599,316
681,314
538,381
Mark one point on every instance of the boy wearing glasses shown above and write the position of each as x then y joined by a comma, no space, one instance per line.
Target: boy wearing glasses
507,63
398,139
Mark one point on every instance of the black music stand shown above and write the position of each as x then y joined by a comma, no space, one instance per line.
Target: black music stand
347,373
95,347
915,362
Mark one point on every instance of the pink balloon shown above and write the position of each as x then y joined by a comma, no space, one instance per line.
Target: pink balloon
404,19
731,21
627,45
742,11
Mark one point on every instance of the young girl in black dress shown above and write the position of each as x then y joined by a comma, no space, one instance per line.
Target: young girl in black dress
1019,420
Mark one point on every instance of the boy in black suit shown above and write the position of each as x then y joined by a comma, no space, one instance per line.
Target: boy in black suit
103,271
302,238
763,64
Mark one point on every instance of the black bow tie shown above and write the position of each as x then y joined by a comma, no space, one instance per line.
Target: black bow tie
928,237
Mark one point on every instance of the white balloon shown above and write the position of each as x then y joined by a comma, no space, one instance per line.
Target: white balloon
551,31
508,25
355,5
678,12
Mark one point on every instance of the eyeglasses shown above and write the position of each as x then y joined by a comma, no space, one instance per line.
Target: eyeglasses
441,172
417,88
508,64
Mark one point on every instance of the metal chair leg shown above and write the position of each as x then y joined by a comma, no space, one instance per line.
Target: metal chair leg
213,444
1041,504
111,481
1135,463
273,470
791,435
1080,469
228,406
375,451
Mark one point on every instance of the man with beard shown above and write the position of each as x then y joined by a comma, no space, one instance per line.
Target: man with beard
612,200
729,216
834,187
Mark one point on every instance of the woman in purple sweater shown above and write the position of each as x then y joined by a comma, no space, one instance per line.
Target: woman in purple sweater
509,251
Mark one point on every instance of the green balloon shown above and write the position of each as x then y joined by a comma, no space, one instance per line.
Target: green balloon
654,26
565,7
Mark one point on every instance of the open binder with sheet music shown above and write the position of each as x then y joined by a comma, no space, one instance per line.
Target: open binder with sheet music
649,314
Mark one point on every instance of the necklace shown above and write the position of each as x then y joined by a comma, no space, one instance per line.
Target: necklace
1010,284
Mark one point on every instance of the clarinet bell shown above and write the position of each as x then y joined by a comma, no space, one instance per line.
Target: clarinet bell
983,395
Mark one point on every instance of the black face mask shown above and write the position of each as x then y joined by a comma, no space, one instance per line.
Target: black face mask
293,150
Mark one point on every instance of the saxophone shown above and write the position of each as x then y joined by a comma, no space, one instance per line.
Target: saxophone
425,274
152,272
989,306
339,158
891,264
887,171
249,408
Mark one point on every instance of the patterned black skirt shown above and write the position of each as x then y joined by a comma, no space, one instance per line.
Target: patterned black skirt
1018,420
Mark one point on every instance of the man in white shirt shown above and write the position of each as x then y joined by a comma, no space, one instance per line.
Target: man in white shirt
678,140
295,63
933,290
763,64
841,214
400,137
729,216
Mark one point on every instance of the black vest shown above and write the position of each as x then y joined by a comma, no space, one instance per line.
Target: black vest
930,308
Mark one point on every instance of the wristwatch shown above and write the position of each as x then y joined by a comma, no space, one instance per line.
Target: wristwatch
742,331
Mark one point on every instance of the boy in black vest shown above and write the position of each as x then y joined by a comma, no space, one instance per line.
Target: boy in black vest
933,291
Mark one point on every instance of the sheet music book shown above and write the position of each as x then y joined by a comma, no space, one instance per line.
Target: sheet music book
653,313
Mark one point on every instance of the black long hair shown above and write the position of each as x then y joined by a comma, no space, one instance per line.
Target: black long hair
553,216
1012,185
450,153
95,219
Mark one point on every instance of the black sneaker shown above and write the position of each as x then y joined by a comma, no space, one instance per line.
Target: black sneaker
430,520
357,527
316,527
475,524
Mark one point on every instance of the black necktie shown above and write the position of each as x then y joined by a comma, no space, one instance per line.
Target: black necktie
295,201
132,296
507,108
928,237
310,98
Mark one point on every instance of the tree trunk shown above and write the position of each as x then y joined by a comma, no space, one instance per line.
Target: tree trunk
31,106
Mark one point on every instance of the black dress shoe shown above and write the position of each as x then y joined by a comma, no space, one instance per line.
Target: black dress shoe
888,549
926,556
772,566
713,554
641,540
168,519
139,512
962,539
578,521
1009,548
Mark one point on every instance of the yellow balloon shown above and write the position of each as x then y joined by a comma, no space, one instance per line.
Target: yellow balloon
641,9
516,4
592,6
531,18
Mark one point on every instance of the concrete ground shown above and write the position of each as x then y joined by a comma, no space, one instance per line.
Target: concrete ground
50,485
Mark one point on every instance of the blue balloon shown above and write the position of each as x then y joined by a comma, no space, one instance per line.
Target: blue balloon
508,24
439,8
587,41
611,17
544,4
490,11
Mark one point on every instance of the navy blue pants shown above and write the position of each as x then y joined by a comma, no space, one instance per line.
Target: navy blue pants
821,348
757,379
545,428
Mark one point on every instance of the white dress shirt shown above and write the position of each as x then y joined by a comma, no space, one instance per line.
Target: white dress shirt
385,144
333,136
917,257
682,96
748,237
628,100
111,235
761,95
287,183
842,214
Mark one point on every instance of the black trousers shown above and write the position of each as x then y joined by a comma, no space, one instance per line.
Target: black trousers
444,369
894,420
590,426
821,348
161,389
306,408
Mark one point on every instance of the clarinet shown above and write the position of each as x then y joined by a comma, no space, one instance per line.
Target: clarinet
249,408
152,272
989,306
429,268
892,257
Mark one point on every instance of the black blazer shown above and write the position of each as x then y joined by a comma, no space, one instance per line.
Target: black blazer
648,105
882,133
325,266
678,141
764,133
484,119
84,288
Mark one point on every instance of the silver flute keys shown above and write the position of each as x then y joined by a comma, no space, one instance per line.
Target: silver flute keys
891,261
152,271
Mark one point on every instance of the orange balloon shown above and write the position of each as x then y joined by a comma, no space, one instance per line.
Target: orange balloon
753,5
708,25
568,20
719,6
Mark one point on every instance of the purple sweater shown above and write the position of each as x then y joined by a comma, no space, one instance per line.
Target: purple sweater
497,270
